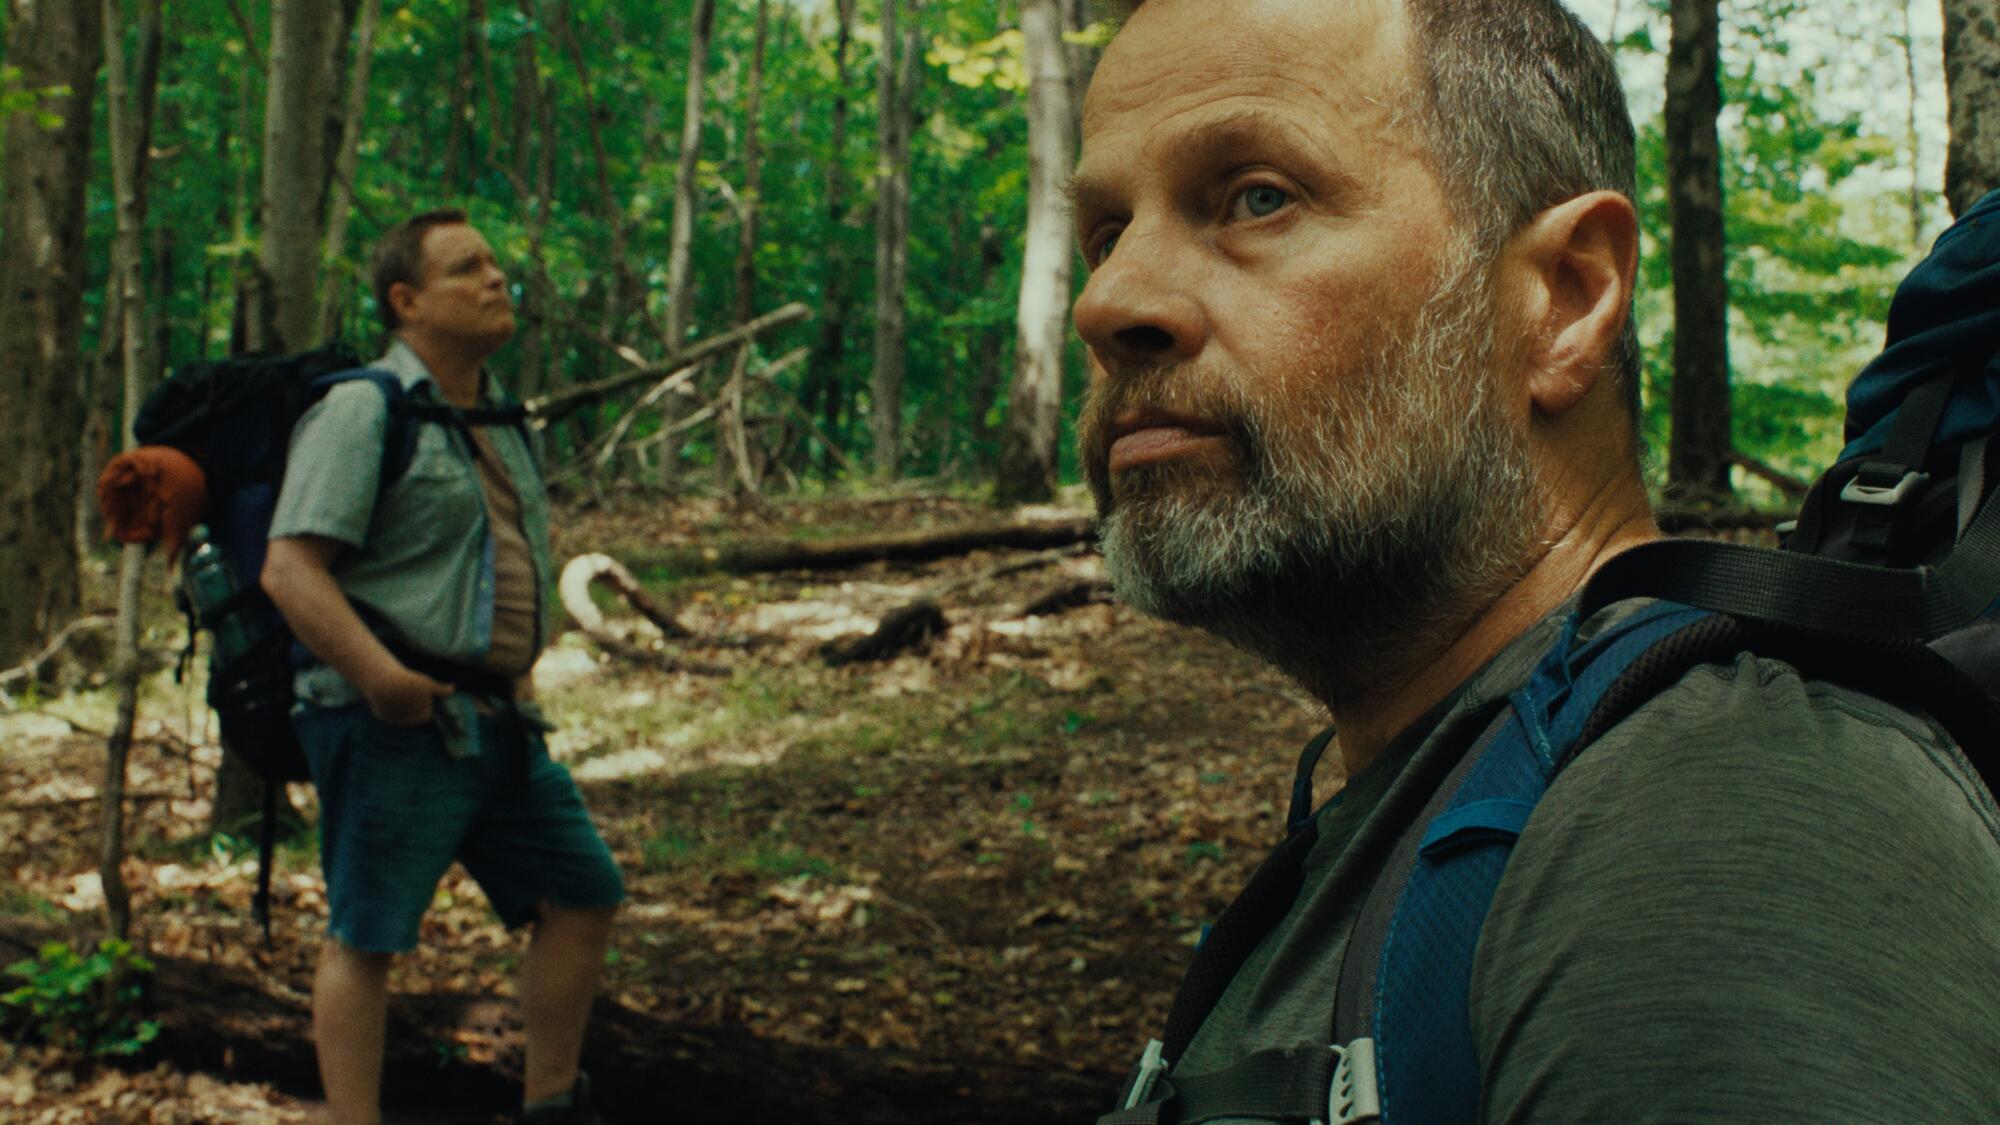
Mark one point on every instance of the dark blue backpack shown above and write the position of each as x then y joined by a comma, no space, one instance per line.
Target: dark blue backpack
1886,583
234,417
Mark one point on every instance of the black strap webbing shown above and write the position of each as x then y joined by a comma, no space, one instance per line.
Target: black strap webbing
1281,1084
1808,591
1907,446
1271,891
1906,449
482,682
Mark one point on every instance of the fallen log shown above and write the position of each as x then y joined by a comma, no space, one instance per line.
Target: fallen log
573,588
1782,481
456,1056
1069,595
750,556
902,628
920,619
32,669
550,407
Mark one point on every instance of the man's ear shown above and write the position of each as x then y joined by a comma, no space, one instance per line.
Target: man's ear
1577,261
402,298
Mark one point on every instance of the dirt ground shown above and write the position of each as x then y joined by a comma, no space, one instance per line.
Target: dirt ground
999,847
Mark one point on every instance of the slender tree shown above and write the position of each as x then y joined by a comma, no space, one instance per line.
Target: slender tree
732,476
896,74
752,195
1028,449
1906,42
1972,81
282,309
680,250
824,393
285,307
335,264
129,115
1699,448
56,48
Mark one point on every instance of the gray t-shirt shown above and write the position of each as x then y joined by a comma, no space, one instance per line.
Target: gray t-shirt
1756,899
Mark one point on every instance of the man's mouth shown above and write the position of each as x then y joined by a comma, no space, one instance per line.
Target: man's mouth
1143,439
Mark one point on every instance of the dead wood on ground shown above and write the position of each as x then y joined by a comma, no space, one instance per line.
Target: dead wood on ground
1782,481
1067,596
32,669
549,407
921,618
750,556
574,589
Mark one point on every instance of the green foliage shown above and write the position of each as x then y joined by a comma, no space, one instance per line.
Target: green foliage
85,1004
1810,274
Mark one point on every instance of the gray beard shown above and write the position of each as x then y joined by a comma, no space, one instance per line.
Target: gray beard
1367,524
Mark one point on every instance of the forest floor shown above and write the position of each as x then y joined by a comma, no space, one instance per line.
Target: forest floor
979,863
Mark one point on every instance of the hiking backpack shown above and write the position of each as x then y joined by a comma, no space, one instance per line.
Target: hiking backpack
1886,583
235,418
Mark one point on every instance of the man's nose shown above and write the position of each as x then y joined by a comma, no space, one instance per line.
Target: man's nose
1141,305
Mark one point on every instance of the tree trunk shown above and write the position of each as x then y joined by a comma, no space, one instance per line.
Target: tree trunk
458,138
1698,450
42,259
1972,86
1028,449
336,267
732,476
533,174
1907,43
130,114
680,248
286,307
752,195
989,351
1082,59
896,73
823,394
282,313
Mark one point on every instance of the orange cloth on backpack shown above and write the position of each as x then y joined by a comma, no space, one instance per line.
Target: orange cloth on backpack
152,494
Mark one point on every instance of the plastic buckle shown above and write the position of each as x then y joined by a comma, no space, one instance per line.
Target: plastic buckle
1352,1096
1888,496
1152,1065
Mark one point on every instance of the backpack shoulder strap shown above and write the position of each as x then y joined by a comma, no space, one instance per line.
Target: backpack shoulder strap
1414,971
1405,982
1485,799
1812,593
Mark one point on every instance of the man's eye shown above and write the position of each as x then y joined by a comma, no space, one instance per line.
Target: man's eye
1257,202
1101,249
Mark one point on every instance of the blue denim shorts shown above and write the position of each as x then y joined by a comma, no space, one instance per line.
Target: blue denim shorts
396,809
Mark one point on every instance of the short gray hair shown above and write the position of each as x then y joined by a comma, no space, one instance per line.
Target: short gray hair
1522,110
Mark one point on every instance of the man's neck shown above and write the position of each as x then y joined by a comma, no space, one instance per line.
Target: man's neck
456,371
1613,520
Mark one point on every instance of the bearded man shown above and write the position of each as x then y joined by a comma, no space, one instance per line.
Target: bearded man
1365,401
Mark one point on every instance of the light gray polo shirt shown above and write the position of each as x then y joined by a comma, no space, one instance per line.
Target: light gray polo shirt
420,561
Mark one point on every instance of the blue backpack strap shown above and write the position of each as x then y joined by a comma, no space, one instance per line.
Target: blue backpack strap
1406,980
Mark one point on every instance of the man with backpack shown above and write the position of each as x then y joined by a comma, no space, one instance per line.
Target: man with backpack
1365,402
420,599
